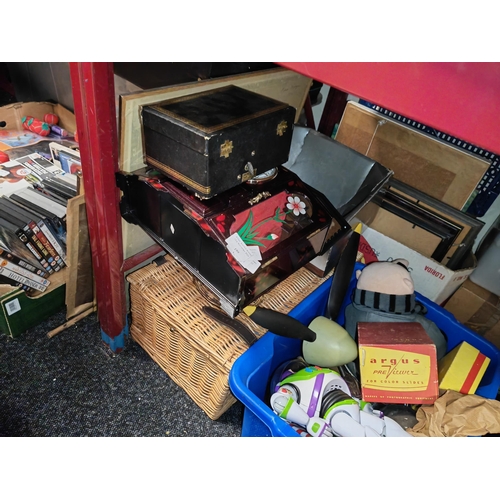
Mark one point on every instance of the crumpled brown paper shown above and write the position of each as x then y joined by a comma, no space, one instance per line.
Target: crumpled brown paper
458,415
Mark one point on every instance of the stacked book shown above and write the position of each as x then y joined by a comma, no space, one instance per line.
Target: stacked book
33,200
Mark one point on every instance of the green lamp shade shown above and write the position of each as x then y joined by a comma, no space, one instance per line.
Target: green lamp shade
333,345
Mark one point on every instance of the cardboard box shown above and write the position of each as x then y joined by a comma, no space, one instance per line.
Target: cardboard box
478,309
73,286
462,369
12,114
398,363
19,312
432,279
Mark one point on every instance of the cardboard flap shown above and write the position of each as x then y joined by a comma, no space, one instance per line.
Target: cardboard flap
80,282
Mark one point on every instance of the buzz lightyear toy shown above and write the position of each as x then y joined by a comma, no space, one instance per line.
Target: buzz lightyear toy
319,400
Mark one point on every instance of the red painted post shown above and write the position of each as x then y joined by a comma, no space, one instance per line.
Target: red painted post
95,112
459,98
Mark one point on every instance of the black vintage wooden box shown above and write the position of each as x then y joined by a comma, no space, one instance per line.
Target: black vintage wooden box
241,243
214,140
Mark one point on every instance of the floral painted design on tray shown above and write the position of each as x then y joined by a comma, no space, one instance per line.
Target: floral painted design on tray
296,205
271,221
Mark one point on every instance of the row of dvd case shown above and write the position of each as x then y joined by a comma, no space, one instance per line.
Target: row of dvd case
33,202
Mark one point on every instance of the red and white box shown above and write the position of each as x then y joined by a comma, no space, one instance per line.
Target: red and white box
397,362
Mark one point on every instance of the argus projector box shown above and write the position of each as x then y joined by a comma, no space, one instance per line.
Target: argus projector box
397,363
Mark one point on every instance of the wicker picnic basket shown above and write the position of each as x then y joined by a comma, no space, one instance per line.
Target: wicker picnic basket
194,350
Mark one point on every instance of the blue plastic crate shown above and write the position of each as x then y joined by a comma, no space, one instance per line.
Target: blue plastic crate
252,371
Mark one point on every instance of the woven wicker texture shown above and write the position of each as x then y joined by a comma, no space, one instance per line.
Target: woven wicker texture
194,350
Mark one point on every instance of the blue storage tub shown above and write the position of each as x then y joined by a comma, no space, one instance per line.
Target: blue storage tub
252,371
